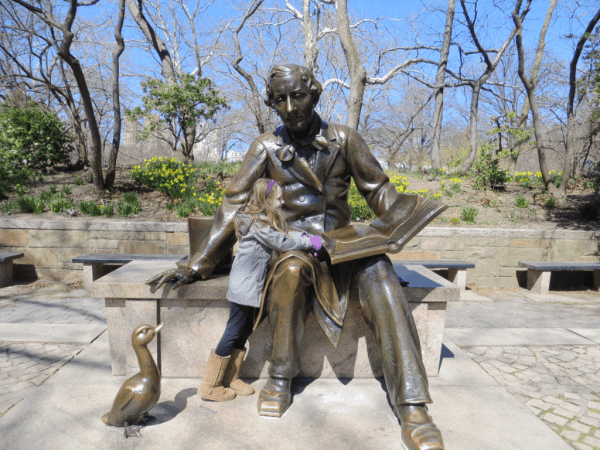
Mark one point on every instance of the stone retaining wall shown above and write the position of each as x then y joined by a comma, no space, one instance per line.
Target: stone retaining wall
49,246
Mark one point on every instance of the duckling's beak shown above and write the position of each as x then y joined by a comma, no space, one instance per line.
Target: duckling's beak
158,327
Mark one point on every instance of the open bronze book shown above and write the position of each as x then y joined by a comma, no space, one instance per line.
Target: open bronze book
389,233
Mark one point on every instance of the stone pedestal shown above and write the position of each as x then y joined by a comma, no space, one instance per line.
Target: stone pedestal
6,267
538,281
195,317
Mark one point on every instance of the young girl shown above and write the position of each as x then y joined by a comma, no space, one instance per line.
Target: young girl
261,228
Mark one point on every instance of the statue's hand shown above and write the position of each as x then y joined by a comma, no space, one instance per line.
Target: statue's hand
178,276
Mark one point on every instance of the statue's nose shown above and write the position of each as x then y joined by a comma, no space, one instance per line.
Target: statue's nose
289,105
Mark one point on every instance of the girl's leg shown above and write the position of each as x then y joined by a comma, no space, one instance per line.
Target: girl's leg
235,329
250,312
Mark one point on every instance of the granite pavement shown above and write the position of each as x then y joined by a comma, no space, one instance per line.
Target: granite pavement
535,395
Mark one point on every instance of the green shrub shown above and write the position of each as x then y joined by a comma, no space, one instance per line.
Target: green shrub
550,202
183,209
58,204
126,209
66,190
469,213
91,177
20,190
358,205
78,181
31,137
46,196
589,211
39,205
169,206
26,203
455,221
89,207
8,206
108,210
53,189
131,197
521,201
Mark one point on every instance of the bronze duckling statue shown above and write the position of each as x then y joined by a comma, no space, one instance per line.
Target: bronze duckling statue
141,392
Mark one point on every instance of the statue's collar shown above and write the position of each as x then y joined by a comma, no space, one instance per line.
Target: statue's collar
317,127
319,138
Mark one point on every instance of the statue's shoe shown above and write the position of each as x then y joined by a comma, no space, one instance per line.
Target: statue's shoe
275,397
418,431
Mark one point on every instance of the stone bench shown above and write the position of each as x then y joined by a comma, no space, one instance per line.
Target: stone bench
94,263
6,267
457,269
538,273
195,316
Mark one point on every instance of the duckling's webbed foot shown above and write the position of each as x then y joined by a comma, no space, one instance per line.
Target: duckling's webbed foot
132,430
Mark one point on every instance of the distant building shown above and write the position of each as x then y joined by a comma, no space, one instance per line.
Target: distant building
134,151
234,156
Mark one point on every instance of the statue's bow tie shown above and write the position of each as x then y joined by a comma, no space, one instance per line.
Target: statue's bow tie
318,143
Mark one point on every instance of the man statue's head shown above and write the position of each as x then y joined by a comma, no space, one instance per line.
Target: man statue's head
293,92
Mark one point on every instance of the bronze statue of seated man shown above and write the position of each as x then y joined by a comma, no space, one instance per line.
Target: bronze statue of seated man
314,161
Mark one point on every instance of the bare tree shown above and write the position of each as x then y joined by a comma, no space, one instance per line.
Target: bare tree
438,113
568,167
257,107
533,104
46,14
116,140
358,74
476,84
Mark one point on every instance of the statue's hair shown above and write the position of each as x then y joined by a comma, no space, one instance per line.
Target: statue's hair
257,206
314,86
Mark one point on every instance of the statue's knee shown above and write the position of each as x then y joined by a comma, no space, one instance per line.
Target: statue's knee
377,268
294,267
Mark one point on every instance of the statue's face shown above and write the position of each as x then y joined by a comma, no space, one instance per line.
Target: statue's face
292,101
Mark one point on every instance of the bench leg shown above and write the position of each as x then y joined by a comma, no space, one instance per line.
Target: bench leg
597,280
458,277
91,272
538,282
6,273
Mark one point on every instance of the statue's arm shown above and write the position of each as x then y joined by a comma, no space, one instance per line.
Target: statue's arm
370,179
221,237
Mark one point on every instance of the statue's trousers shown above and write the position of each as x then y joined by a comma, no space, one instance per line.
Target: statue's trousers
384,308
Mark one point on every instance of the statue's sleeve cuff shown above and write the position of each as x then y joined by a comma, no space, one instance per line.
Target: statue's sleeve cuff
202,265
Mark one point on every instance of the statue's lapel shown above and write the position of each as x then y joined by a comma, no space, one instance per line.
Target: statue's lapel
297,165
326,157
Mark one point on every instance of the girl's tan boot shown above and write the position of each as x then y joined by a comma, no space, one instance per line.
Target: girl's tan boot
232,374
212,384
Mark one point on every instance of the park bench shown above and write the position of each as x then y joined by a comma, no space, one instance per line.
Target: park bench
94,263
457,269
538,273
195,315
6,267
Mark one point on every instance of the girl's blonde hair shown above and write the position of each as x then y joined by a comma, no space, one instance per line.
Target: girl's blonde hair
257,205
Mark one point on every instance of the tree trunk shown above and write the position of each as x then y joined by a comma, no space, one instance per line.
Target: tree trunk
473,138
537,126
136,9
116,141
358,74
438,113
570,107
258,111
535,70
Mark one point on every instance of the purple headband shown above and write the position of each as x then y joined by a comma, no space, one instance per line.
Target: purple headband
270,186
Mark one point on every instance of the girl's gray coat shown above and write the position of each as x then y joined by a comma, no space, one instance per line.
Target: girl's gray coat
251,262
